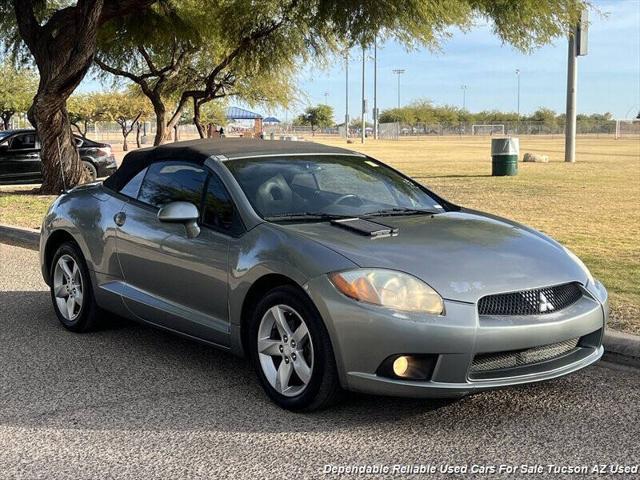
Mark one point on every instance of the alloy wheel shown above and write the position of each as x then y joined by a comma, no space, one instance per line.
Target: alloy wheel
68,287
285,350
90,171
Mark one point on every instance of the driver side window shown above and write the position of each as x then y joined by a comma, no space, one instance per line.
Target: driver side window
172,181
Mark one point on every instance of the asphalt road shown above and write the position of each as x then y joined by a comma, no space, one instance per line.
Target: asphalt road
133,402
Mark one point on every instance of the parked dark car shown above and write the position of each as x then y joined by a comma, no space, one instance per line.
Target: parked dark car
20,157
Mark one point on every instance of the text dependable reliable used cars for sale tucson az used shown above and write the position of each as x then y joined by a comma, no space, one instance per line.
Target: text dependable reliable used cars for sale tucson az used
326,267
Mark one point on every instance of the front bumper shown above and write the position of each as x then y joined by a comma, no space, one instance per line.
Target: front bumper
363,336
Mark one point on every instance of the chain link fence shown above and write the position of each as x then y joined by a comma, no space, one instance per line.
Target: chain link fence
395,131
111,132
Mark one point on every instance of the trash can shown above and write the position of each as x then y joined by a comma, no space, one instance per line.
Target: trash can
504,156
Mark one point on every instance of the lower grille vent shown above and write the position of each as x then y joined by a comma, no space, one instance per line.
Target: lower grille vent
519,358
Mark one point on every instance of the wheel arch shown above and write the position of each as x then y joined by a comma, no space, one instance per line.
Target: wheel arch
55,239
257,291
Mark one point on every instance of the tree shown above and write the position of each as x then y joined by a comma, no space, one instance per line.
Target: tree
191,53
318,116
61,38
17,88
61,35
126,109
211,113
84,109
545,117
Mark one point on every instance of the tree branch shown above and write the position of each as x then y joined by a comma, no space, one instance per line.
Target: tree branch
29,28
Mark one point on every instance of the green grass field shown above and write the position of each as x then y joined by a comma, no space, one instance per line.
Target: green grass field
592,206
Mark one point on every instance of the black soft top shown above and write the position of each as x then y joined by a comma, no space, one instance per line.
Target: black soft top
198,151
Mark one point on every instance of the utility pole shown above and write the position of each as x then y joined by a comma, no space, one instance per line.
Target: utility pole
346,96
326,96
577,47
398,72
464,97
518,96
572,85
364,101
375,88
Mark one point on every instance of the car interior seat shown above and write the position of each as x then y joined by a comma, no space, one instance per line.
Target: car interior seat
274,196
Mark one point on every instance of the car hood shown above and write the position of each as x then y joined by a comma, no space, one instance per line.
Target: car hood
463,255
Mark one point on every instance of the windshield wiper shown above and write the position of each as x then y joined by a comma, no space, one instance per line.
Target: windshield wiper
307,216
399,211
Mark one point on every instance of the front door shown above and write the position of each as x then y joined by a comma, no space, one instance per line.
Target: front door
171,280
20,159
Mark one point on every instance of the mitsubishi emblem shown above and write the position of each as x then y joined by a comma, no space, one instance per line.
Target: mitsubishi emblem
545,305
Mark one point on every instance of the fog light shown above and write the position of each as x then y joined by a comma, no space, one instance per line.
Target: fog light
400,366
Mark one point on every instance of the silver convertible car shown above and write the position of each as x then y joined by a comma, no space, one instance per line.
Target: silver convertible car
329,269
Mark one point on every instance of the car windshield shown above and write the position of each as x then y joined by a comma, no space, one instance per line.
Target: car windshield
4,134
328,186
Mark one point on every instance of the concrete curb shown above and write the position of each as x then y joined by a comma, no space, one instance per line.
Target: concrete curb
22,237
619,347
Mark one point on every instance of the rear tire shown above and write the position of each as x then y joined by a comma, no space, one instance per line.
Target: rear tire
71,290
298,376
90,170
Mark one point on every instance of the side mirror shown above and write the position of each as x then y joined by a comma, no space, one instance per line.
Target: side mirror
4,147
181,212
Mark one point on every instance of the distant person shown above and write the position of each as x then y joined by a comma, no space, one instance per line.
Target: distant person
221,131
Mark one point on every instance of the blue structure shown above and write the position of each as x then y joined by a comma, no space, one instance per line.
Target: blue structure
237,113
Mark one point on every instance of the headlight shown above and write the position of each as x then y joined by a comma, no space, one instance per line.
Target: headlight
390,289
580,263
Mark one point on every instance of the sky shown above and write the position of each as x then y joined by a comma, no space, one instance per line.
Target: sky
608,77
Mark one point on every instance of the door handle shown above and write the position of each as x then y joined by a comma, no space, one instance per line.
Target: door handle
120,218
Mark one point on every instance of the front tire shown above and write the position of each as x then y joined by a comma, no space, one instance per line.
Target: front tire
71,291
291,351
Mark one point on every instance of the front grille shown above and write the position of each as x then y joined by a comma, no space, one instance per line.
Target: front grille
519,358
531,302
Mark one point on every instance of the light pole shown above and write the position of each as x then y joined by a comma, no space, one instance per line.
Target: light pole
326,96
518,120
364,101
464,96
375,88
346,95
398,72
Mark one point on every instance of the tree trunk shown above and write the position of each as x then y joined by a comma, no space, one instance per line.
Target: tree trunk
63,49
6,120
175,118
138,127
161,121
61,167
196,118
125,134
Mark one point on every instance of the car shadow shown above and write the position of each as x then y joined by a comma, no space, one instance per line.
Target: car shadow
128,376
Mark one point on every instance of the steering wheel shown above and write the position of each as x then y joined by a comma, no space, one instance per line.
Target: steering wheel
348,196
